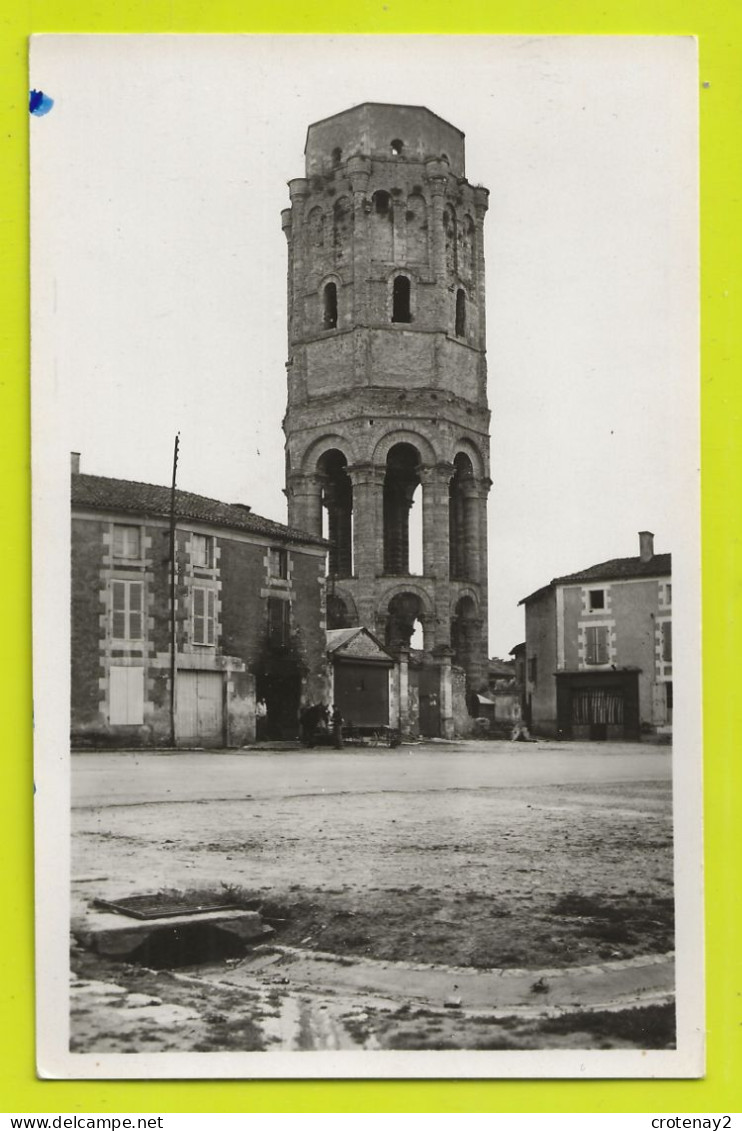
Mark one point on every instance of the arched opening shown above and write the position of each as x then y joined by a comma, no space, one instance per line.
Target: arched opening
330,306
404,621
337,155
400,483
459,543
396,147
465,635
460,313
337,503
382,231
401,299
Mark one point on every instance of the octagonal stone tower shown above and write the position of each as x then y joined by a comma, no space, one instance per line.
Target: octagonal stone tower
387,402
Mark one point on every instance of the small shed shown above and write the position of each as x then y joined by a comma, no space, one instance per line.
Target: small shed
361,669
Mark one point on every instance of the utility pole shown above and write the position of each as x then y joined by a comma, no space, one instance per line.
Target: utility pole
173,572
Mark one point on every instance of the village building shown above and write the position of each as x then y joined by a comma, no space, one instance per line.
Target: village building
598,655
387,410
365,684
249,620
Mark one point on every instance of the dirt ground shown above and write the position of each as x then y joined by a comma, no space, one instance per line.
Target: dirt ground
466,857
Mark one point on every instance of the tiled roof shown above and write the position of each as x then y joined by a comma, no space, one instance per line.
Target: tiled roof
356,643
617,569
149,500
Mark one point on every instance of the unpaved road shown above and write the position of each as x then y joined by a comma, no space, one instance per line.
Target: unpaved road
483,855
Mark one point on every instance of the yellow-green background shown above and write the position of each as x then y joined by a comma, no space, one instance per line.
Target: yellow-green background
718,26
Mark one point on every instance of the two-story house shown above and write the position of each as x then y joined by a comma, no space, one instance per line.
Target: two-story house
599,650
162,654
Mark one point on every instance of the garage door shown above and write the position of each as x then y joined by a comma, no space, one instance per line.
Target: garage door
200,714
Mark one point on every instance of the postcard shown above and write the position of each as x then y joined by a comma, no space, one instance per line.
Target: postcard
366,556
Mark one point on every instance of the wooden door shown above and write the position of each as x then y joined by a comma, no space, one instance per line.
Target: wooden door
200,711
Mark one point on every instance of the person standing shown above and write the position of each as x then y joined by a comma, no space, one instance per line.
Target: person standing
336,721
261,719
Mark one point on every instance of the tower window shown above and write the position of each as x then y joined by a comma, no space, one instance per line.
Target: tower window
396,147
460,313
382,202
337,154
330,306
401,300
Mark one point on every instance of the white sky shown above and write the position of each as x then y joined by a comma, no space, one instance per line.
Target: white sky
159,269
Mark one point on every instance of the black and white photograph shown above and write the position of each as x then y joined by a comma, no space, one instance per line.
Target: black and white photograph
366,496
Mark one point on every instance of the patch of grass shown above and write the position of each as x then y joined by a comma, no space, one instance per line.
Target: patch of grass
649,1026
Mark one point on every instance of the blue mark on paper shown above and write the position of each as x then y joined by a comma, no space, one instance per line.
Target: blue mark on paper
39,103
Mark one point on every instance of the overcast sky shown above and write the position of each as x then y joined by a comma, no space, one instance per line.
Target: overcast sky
159,269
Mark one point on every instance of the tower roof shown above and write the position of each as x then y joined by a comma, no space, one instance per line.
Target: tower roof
383,130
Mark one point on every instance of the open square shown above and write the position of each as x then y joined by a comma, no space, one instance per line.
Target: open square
470,895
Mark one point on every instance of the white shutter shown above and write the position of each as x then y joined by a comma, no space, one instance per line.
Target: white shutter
210,616
667,641
135,696
118,626
126,696
135,610
199,612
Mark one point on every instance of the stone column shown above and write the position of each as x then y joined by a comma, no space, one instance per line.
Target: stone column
437,180
305,503
472,533
286,225
436,555
403,694
298,190
359,169
443,659
368,544
484,489
481,204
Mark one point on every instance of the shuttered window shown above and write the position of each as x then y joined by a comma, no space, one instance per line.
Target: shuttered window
126,610
204,602
596,639
279,621
126,696
667,642
127,542
278,563
202,550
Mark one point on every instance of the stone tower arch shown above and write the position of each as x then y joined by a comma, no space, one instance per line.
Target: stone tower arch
387,371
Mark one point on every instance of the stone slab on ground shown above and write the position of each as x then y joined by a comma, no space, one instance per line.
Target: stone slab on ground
116,936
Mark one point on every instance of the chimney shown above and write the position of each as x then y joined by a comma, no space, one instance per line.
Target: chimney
646,545
75,459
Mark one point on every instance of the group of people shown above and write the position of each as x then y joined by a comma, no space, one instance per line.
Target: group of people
320,723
